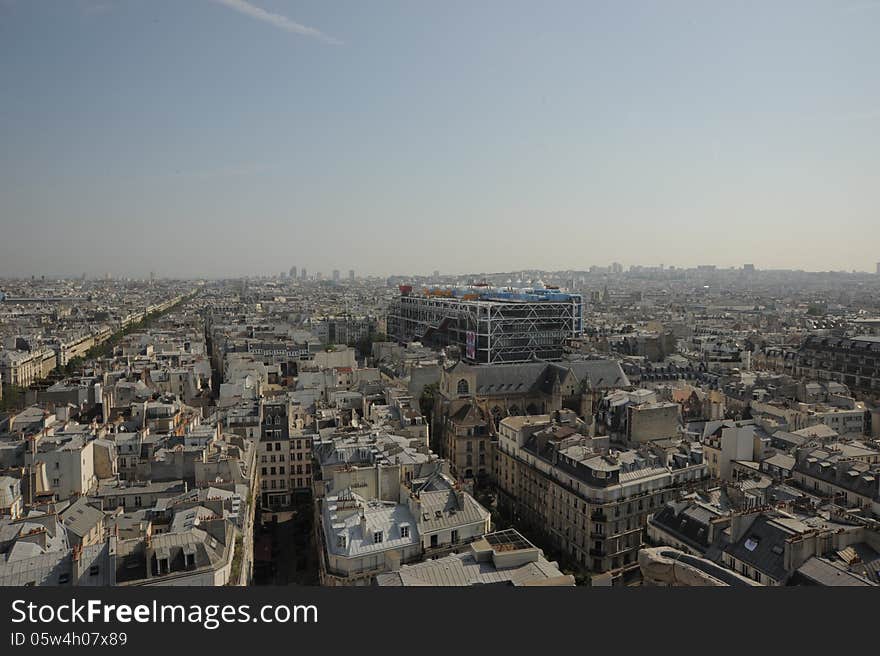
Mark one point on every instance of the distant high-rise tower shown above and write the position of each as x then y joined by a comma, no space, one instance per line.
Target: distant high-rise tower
302,274
749,267
319,276
878,268
351,274
335,275
152,278
293,273
436,275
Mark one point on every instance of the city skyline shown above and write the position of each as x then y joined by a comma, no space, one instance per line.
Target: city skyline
312,275
302,132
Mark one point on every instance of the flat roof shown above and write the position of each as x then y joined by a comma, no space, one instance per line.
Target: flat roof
508,540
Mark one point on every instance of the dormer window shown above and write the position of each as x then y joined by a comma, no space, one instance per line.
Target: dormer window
404,530
377,537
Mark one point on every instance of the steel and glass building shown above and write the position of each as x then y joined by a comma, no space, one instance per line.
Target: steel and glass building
489,325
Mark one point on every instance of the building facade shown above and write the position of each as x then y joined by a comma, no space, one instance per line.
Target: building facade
285,458
489,325
591,504
855,361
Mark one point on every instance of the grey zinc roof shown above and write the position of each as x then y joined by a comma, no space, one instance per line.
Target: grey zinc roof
128,521
822,571
207,549
36,569
80,518
443,510
763,547
189,518
790,439
688,520
533,376
603,374
382,516
781,460
464,570
363,448
56,537
113,488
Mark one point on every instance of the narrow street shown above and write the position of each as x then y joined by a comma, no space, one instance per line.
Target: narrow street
284,553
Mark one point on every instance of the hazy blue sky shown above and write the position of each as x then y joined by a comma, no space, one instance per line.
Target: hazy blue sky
215,137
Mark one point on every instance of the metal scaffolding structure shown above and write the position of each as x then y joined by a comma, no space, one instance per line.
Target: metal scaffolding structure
492,328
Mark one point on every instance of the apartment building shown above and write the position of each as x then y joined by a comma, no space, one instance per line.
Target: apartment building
468,443
689,525
201,555
360,538
69,465
130,453
854,361
285,455
652,421
776,548
847,416
22,368
833,474
11,501
374,464
725,442
591,502
128,496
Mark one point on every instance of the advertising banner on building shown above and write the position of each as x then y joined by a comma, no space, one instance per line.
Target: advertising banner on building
471,345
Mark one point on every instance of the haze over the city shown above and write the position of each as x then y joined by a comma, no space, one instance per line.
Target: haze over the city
228,137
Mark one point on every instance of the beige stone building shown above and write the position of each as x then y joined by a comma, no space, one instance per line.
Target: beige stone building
652,421
468,442
284,454
22,368
360,537
591,503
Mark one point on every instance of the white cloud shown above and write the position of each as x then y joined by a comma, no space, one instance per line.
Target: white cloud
279,21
